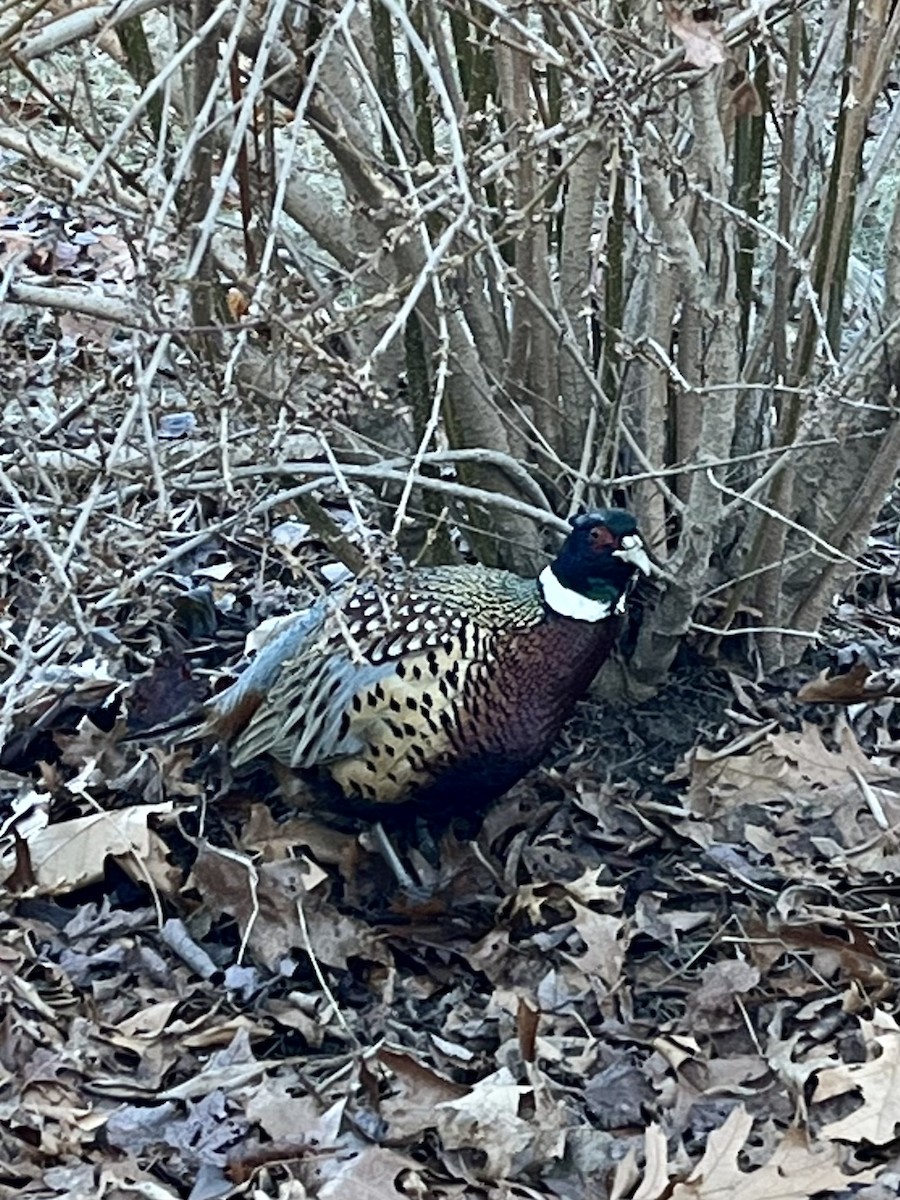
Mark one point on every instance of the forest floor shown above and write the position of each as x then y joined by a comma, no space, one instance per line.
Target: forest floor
666,964
664,967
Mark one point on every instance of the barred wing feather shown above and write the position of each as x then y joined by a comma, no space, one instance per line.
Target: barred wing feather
372,688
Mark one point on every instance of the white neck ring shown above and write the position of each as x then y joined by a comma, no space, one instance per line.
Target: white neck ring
566,603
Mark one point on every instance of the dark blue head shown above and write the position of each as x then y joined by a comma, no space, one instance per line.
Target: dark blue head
601,554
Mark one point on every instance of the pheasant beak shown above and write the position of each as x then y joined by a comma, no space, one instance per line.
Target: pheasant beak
632,551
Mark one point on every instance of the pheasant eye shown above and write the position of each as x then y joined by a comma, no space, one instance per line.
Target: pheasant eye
600,536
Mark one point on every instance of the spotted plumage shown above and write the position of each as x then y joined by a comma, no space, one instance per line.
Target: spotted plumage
441,686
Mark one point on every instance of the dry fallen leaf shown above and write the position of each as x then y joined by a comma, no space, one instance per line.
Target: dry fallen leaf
280,1113
780,766
855,686
415,1092
878,1081
487,1119
606,940
796,1170
72,853
711,1006
655,1179
370,1175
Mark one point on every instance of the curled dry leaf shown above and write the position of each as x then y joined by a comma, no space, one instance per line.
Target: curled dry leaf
71,854
238,305
654,1182
856,686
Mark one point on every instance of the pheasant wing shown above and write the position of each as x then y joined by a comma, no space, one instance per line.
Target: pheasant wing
371,688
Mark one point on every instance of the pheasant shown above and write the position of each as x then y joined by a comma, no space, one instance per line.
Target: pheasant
442,686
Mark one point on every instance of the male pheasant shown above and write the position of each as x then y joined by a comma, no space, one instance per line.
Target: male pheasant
441,686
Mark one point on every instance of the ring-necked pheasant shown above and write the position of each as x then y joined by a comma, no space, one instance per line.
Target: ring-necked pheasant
443,685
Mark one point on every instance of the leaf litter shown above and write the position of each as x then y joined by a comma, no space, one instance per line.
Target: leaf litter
665,966
689,997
